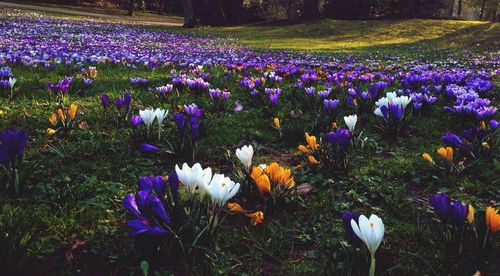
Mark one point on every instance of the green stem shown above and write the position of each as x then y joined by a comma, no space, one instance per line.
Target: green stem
372,265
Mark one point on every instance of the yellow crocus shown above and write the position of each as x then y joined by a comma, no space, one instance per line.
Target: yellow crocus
311,141
276,122
428,158
60,114
256,218
50,131
53,119
72,111
312,160
470,215
482,125
334,125
446,153
303,149
492,219
236,208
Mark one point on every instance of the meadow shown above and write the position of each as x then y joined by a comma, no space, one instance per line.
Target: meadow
329,147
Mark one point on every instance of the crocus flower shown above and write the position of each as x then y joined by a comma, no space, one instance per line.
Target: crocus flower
105,100
371,232
276,122
339,139
180,121
256,217
195,177
245,155
346,219
160,115
12,144
446,153
141,206
135,120
147,116
350,121
12,81
452,140
428,158
148,148
470,215
492,219
261,180
441,204
152,183
221,189
173,183
458,213
312,160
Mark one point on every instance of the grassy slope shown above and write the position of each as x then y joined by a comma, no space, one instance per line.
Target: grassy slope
392,37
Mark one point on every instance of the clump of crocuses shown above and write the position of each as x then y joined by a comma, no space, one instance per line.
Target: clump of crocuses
391,109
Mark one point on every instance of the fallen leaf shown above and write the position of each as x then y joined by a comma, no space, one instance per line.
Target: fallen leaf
83,125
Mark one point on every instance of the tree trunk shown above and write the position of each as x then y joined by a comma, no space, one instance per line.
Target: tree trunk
459,11
187,6
311,9
451,6
482,10
131,7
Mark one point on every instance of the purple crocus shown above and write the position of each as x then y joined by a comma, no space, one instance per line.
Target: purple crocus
340,138
144,206
12,144
152,183
180,122
452,140
135,121
148,148
173,183
331,104
105,100
346,219
458,213
441,204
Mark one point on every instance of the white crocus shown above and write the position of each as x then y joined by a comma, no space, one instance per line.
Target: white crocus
351,121
402,101
371,232
391,96
221,189
194,177
245,155
378,112
160,115
12,81
147,116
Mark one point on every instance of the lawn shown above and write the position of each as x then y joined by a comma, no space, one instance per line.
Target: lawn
411,84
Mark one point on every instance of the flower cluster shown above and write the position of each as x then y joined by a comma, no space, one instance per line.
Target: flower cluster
62,120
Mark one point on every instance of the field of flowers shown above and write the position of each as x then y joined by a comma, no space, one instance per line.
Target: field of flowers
137,149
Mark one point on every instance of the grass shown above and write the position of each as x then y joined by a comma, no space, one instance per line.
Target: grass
76,184
397,37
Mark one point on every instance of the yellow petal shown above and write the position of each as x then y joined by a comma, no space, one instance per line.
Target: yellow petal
50,131
263,184
276,122
428,158
72,111
53,119
236,208
470,215
256,218
303,149
312,160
